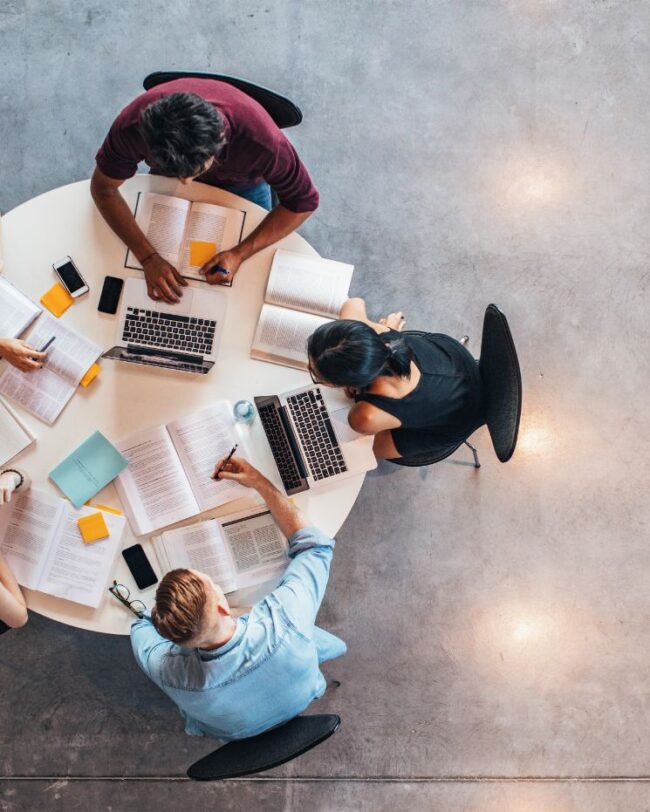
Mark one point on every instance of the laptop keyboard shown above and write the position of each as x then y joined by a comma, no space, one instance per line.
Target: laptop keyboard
317,437
169,331
284,459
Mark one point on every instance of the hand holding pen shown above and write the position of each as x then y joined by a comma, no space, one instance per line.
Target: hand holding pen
224,462
20,355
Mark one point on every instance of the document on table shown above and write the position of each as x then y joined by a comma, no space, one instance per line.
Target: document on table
14,435
17,311
45,392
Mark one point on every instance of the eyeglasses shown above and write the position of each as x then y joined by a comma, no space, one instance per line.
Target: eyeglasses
123,594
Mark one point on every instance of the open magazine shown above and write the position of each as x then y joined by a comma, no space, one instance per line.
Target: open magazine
169,476
171,224
301,294
236,551
41,542
45,392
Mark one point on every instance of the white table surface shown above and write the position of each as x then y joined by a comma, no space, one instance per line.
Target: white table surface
125,398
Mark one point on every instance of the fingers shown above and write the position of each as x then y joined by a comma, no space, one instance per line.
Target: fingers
165,291
30,363
180,279
209,265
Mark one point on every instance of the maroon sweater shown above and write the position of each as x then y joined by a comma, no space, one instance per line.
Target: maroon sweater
255,149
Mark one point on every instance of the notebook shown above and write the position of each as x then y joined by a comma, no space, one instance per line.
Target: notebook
172,224
45,392
41,542
237,551
301,294
169,477
14,435
89,468
17,311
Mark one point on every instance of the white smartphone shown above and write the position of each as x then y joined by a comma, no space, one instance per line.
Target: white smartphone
70,277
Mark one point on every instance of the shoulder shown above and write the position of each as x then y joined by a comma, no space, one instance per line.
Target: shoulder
366,418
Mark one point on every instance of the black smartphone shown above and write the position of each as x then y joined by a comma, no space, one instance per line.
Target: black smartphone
139,566
110,297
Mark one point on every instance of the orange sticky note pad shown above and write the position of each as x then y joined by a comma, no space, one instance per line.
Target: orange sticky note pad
57,300
90,376
201,252
93,527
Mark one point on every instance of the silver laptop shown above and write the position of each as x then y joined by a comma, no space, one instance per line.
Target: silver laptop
311,440
184,336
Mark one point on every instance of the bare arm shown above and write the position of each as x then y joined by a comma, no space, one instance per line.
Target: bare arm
355,309
13,609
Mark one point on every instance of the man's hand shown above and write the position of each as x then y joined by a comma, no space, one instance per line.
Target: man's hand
240,470
21,355
163,280
227,260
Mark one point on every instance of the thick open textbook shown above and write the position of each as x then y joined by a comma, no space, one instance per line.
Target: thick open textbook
44,392
236,551
41,542
14,435
301,294
172,223
17,311
169,477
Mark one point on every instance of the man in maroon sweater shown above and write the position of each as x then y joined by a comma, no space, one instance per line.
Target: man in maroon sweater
206,130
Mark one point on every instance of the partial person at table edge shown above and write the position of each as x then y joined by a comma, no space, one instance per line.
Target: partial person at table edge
205,130
234,678
416,392
13,607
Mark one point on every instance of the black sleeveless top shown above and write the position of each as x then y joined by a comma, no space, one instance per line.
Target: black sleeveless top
449,395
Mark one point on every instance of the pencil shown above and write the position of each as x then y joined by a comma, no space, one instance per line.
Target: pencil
225,462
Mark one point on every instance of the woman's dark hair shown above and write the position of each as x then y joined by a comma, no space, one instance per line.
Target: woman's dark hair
182,131
351,353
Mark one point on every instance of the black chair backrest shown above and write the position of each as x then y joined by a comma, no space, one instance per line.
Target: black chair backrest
283,111
268,750
3,627
499,368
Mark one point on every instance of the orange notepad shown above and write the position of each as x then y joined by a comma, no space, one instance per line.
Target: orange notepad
93,527
57,300
201,252
90,376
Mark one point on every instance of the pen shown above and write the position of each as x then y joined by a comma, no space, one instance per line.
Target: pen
47,344
225,462
218,269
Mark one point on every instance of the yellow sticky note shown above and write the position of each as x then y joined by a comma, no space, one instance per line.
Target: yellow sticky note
201,252
90,376
57,300
92,527
108,509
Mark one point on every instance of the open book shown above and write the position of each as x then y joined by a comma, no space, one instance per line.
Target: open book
169,477
44,392
172,223
17,311
14,435
302,293
41,542
237,551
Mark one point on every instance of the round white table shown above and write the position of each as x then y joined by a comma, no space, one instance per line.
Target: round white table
125,398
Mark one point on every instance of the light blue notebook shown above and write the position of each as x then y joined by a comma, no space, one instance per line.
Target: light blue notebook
88,469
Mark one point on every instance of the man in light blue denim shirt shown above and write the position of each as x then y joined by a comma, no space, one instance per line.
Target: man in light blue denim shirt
234,678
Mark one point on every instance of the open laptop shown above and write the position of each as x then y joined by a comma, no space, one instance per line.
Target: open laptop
310,438
183,336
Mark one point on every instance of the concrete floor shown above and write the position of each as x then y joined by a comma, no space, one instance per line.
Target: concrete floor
498,622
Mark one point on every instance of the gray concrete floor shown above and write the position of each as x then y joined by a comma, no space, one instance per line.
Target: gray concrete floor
497,621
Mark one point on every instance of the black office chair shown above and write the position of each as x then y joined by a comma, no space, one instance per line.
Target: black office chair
283,111
501,377
3,627
268,750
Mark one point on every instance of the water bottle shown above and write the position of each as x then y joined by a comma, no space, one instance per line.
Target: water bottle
244,411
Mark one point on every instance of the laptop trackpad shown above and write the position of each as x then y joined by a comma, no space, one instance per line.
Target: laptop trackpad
184,306
344,431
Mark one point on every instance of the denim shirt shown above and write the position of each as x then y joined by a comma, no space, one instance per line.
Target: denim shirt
267,673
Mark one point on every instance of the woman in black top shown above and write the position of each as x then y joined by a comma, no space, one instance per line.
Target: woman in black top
418,393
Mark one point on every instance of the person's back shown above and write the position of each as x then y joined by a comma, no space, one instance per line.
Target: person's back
264,667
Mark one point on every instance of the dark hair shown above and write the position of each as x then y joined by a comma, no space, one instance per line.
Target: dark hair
180,601
351,353
182,131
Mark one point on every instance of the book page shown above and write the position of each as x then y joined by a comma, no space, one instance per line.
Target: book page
28,526
76,571
258,548
208,222
200,547
311,284
281,335
162,218
201,439
45,392
154,489
14,437
17,311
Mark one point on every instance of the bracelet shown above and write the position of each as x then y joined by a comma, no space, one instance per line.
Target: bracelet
13,471
152,254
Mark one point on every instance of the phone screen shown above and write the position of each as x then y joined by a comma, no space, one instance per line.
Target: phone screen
70,277
139,565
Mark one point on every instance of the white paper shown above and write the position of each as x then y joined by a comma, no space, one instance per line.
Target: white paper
282,335
154,489
17,311
162,218
312,284
258,548
200,547
211,223
14,437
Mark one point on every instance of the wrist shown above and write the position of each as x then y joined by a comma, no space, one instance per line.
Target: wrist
147,257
